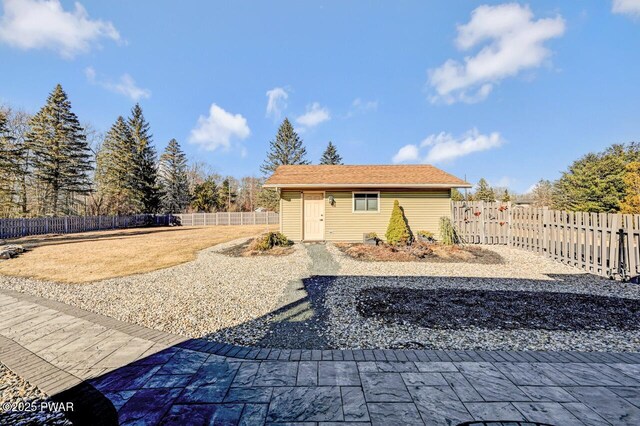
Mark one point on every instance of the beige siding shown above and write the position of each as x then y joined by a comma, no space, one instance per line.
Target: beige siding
291,214
423,210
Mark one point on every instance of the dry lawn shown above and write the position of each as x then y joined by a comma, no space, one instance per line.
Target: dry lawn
93,256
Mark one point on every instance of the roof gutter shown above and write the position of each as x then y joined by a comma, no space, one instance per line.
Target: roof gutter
367,185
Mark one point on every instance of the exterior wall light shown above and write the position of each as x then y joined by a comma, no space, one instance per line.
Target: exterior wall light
332,200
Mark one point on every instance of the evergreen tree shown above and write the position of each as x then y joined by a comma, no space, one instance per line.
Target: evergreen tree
330,155
226,196
456,195
506,197
286,148
595,182
205,196
172,176
145,160
269,199
398,232
542,194
9,167
631,202
60,154
484,192
116,171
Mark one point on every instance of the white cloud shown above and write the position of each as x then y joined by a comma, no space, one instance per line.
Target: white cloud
315,115
514,41
443,147
277,102
125,85
218,129
407,154
627,7
359,106
44,24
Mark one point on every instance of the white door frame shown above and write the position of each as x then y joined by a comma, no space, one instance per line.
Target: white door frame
304,238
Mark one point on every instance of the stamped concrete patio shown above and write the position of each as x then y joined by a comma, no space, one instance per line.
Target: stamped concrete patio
115,372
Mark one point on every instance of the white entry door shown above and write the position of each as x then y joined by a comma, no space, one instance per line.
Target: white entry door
313,216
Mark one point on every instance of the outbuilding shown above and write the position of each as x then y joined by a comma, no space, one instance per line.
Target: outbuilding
344,202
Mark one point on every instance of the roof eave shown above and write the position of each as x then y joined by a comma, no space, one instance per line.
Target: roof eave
367,185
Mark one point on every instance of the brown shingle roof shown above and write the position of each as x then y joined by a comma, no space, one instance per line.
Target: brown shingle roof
399,176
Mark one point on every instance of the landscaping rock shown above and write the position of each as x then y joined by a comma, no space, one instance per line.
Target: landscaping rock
10,251
16,393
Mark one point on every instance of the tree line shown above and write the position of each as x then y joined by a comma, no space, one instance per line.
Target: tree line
601,182
52,165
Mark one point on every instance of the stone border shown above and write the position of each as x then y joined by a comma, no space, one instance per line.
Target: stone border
35,370
133,330
404,355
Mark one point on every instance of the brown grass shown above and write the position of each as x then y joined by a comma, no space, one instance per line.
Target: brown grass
92,256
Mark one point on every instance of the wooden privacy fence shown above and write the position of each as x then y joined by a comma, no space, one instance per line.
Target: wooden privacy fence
227,218
605,244
15,228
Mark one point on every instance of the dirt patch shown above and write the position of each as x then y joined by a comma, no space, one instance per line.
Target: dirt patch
420,252
505,310
244,250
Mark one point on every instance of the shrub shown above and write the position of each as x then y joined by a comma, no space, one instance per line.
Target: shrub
426,236
448,232
371,236
270,240
398,232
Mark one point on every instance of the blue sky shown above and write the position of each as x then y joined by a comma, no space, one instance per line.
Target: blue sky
508,91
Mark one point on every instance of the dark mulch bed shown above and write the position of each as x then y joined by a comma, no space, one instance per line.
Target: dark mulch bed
507,310
243,250
420,252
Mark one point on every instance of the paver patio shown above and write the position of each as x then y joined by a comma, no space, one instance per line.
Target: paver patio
118,372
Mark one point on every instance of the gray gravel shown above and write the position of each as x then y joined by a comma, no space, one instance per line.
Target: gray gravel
522,271
25,401
215,295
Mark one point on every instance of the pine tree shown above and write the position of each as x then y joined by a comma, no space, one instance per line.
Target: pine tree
631,202
226,196
506,197
484,192
172,176
331,156
542,194
595,182
60,154
205,196
286,148
9,167
398,232
116,175
456,195
145,159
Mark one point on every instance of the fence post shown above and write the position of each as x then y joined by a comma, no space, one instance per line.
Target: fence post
24,227
509,211
545,230
481,222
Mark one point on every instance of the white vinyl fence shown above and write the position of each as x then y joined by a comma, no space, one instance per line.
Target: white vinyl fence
227,218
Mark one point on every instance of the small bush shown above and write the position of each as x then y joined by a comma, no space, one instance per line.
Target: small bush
398,232
371,236
270,240
448,232
426,236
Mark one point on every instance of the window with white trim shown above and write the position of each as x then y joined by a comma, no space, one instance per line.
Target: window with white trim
366,202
